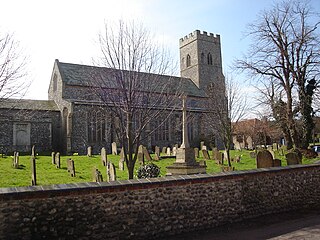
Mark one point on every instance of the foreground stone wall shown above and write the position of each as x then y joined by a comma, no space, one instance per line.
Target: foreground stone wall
150,208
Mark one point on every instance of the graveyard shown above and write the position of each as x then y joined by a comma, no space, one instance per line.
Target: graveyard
48,173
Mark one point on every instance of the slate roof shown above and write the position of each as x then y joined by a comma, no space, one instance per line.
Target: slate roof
83,75
26,104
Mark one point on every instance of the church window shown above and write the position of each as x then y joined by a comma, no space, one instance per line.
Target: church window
202,57
96,127
162,131
188,60
209,59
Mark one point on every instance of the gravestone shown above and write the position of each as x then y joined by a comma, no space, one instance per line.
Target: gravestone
122,154
114,150
168,151
269,148
250,143
157,151
205,154
146,154
164,150
264,159
227,169
112,173
174,151
218,156
53,158
196,152
71,168
121,165
141,158
237,159
277,163
156,157
33,171
15,162
89,151
275,146
96,175
202,163
103,156
58,160
201,145
292,158
204,148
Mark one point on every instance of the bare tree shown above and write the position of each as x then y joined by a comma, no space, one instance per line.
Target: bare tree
12,68
286,50
134,87
227,105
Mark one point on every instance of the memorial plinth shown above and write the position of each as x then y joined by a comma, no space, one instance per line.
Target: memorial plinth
185,158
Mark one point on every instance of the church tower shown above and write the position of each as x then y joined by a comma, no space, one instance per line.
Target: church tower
200,59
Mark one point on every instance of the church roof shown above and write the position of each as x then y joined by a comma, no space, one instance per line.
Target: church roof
84,75
26,104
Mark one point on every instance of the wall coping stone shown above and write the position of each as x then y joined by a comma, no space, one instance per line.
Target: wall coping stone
44,191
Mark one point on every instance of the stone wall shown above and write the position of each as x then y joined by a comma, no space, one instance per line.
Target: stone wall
158,207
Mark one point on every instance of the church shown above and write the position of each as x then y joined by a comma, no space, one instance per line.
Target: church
70,120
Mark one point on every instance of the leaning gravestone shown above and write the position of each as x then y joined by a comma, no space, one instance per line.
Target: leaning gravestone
196,152
53,158
112,173
114,148
146,154
205,154
71,168
103,156
33,171
157,151
58,160
89,151
264,159
96,175
292,158
15,163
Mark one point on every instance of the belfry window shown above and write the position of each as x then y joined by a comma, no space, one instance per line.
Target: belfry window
209,59
188,60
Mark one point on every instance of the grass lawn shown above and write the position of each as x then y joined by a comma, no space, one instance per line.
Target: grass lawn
47,173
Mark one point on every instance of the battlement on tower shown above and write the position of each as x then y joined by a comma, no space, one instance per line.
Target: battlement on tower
198,35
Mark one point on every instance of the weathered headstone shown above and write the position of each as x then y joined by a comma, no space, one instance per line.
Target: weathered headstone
250,143
141,158
276,162
146,154
218,156
96,175
112,173
114,150
204,148
53,158
202,163
58,160
275,146
168,151
157,151
71,168
205,154
201,145
156,157
269,148
196,152
33,171
264,159
103,156
89,151
164,150
121,160
122,154
292,158
237,159
15,162
174,151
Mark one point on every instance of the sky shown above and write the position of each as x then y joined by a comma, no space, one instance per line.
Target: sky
68,29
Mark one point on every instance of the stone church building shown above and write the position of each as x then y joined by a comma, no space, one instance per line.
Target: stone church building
70,122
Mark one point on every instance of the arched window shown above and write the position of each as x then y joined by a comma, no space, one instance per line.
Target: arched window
188,60
209,59
96,126
202,57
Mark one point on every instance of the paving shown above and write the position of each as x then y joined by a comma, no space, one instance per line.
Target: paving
293,225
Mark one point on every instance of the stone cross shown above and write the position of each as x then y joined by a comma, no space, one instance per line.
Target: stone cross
185,140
